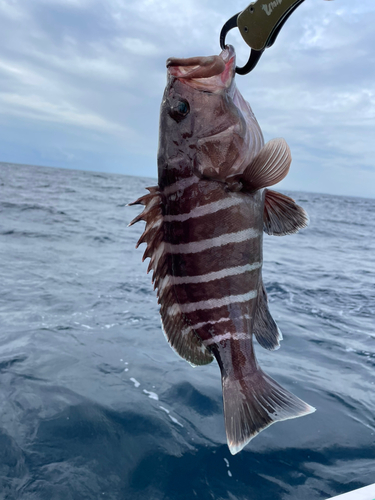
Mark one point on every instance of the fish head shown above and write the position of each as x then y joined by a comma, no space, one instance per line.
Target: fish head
206,127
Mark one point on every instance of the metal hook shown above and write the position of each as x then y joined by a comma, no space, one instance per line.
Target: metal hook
259,26
254,54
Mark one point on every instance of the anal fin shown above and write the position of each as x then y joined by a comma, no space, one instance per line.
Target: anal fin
282,215
265,329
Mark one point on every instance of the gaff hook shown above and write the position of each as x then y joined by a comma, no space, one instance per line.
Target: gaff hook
259,25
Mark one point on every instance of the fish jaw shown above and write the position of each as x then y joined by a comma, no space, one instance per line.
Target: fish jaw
212,73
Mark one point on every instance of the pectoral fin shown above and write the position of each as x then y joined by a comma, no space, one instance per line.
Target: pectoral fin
269,167
282,215
265,329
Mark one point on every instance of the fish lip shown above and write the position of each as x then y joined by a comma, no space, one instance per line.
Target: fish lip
212,73
227,53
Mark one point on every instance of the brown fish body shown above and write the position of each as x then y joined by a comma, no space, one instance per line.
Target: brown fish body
215,261
204,233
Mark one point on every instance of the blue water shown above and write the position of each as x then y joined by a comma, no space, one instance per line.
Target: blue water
94,403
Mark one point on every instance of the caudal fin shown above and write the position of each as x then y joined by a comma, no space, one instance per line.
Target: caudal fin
253,403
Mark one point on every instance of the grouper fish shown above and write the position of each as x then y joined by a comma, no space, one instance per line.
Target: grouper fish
204,230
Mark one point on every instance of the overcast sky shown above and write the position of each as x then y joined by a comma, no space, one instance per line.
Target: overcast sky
81,83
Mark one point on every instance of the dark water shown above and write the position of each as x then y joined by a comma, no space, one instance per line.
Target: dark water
94,404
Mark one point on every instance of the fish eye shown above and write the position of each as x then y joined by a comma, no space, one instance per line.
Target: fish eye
179,110
183,108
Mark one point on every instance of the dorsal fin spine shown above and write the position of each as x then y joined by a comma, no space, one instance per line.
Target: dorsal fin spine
187,345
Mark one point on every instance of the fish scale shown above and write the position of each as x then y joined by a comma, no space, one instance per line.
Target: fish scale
204,236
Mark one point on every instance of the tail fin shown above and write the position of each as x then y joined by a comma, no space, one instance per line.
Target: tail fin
253,403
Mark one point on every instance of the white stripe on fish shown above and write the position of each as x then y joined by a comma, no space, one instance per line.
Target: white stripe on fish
226,336
202,210
225,239
181,185
185,331
203,323
216,275
212,303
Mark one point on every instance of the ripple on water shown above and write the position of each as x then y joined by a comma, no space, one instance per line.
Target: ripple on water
94,403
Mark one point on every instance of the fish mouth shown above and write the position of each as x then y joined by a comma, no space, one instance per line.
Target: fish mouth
211,73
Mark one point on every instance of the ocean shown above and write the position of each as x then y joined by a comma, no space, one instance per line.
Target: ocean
94,404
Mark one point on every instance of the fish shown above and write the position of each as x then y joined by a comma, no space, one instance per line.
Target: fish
204,234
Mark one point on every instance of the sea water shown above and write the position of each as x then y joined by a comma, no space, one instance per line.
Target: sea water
94,404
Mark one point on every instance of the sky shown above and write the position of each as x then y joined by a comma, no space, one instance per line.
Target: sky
81,83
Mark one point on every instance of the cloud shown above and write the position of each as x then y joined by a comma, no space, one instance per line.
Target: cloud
89,67
35,107
138,47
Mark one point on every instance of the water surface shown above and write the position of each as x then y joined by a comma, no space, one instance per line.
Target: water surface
95,404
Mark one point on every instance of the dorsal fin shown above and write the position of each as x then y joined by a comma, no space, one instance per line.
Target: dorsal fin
282,215
269,167
182,339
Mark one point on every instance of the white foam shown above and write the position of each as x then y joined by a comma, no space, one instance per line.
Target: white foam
174,420
151,395
135,382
